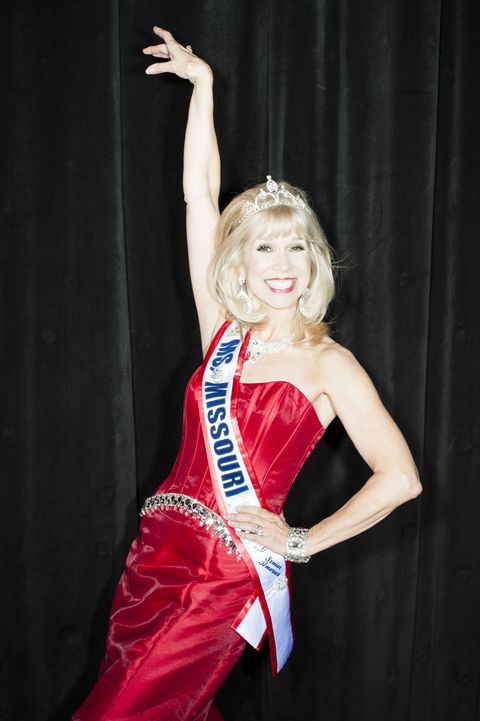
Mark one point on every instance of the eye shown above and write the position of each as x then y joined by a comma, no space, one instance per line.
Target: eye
298,247
264,247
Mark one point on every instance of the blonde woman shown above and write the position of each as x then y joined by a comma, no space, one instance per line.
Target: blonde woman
209,570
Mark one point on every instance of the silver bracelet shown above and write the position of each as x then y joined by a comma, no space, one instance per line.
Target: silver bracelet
295,545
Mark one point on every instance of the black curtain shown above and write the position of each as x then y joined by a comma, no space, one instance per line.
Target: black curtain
372,107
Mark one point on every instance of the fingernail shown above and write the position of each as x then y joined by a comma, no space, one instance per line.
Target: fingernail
148,71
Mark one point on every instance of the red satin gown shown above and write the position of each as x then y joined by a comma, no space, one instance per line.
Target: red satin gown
170,643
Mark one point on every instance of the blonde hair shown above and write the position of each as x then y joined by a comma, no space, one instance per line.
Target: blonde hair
279,220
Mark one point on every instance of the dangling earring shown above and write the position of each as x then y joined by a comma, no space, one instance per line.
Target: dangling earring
305,310
243,296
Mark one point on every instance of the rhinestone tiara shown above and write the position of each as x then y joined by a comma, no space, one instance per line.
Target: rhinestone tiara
273,194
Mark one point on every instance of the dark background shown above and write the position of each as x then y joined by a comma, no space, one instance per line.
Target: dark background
370,105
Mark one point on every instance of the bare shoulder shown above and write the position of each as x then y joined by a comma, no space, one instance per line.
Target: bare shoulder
337,366
331,356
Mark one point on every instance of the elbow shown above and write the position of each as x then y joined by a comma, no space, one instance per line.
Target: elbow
417,489
410,483
402,484
199,199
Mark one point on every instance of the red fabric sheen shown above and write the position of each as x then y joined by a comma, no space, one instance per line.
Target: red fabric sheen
170,643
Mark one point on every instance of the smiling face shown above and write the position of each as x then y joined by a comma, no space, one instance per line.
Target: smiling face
277,269
284,255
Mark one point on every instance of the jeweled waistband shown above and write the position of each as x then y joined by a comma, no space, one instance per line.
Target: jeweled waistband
191,507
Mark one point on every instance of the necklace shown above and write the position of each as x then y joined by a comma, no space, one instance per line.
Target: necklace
258,348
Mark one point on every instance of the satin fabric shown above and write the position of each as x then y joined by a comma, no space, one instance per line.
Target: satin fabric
170,643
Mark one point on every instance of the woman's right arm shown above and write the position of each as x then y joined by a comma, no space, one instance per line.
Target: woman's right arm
201,170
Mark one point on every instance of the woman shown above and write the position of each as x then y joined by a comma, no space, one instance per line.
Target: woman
207,572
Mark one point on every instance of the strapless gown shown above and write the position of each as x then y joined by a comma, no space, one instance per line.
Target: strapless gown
170,643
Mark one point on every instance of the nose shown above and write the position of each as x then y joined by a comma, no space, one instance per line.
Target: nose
282,260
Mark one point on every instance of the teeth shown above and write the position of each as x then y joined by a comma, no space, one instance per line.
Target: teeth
280,284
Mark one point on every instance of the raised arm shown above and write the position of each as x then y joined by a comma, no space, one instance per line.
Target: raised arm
201,169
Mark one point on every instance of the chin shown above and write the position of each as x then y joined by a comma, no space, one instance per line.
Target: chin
286,304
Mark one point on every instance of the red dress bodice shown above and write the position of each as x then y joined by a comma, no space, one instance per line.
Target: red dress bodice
279,427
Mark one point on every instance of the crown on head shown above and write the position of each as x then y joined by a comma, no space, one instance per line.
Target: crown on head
274,194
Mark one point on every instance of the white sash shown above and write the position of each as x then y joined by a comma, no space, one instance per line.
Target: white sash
235,484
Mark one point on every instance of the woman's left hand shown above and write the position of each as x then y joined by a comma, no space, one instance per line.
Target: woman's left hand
260,526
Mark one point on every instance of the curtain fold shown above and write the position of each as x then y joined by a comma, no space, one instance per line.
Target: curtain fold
446,658
68,463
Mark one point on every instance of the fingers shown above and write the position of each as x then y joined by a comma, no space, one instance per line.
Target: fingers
160,51
168,39
166,35
247,528
260,527
249,520
253,515
158,68
254,538
171,50
255,533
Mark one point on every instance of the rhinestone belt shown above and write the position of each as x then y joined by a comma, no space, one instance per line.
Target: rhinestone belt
191,507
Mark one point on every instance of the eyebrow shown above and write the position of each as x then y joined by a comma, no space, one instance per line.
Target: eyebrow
274,237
